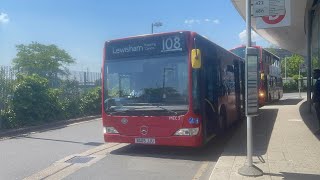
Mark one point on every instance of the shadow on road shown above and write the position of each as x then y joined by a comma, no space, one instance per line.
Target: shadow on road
294,176
308,118
209,152
262,125
59,140
286,102
28,130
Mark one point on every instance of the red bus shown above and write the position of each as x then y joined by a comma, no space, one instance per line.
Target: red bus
270,85
175,89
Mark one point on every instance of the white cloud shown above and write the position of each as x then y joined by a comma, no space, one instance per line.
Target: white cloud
199,21
254,36
216,21
4,18
189,21
192,21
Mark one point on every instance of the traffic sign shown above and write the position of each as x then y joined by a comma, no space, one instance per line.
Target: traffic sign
268,8
278,17
273,19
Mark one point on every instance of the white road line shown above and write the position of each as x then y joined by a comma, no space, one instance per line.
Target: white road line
201,170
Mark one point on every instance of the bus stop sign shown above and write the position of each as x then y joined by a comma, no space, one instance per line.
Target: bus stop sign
252,81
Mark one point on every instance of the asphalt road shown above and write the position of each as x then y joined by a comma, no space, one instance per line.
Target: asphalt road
24,156
156,162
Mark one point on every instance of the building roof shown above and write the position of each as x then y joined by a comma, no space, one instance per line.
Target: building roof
293,37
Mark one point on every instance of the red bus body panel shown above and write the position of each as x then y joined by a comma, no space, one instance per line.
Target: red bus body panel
262,89
161,128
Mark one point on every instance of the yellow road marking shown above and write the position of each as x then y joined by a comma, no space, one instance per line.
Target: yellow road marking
201,170
61,169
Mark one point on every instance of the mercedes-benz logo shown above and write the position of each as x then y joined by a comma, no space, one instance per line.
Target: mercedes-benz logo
124,121
144,130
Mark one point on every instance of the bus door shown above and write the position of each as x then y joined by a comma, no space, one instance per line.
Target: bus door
266,87
210,96
237,87
271,88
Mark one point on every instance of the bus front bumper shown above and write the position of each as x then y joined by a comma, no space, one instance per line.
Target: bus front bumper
188,141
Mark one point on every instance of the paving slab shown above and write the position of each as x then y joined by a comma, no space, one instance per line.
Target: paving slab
284,146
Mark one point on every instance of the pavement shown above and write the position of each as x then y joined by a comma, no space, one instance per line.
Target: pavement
284,144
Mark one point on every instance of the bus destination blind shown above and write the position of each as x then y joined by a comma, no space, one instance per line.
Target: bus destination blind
147,46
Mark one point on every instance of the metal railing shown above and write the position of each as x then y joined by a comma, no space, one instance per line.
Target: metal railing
8,76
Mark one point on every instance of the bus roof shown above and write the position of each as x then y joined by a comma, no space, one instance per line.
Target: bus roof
258,47
147,35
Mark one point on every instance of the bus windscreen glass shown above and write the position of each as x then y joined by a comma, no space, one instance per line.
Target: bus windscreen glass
144,81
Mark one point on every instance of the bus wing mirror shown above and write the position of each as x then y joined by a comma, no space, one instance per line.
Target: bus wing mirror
196,58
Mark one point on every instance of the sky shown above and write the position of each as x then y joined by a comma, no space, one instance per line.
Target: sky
82,26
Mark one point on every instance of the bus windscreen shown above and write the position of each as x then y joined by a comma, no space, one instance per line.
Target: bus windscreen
147,76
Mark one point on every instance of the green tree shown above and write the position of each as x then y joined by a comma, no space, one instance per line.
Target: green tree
6,85
315,63
293,63
47,61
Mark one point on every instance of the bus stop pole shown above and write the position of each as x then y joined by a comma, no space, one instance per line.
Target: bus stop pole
249,117
249,169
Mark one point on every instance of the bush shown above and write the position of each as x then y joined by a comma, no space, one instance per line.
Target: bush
91,102
291,86
8,119
70,99
33,102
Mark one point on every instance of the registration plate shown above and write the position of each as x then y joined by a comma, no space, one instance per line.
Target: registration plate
145,140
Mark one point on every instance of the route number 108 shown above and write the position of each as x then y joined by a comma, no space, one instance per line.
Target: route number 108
171,44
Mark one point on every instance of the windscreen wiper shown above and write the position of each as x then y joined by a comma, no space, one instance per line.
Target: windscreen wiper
122,111
167,109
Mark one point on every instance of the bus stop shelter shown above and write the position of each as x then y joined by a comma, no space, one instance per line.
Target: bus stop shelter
302,36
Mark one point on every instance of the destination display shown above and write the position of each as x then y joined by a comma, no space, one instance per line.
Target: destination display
146,46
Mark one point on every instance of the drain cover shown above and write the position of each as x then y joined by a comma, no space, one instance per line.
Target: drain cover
79,160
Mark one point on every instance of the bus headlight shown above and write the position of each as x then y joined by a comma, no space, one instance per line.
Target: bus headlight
110,130
261,94
187,132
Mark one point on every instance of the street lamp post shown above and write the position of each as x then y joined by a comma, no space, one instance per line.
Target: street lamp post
285,69
299,81
156,24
